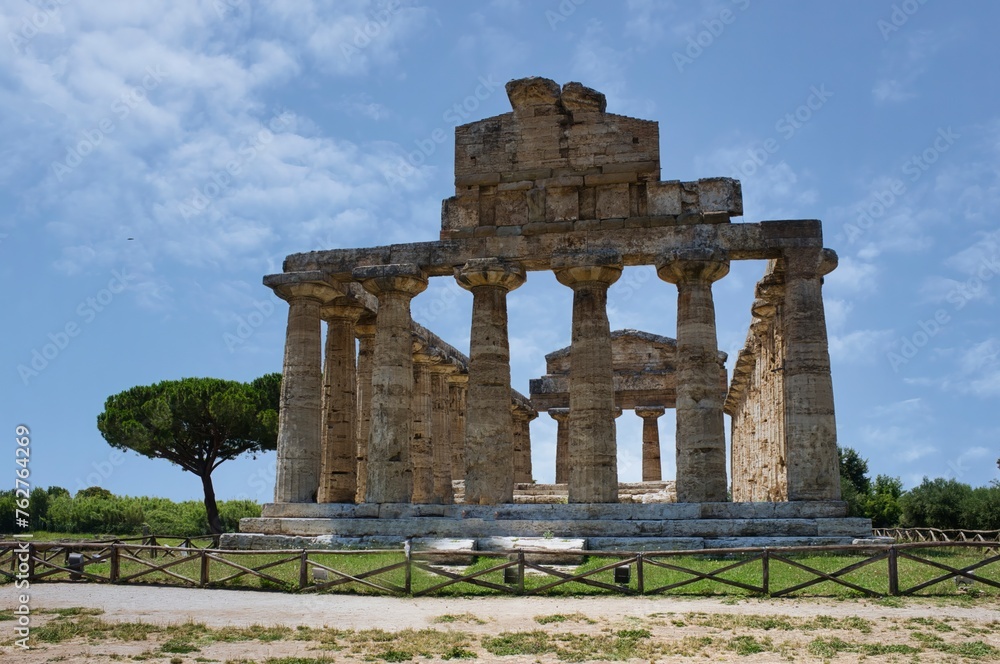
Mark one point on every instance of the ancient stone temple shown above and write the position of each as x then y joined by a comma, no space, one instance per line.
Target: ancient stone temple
386,432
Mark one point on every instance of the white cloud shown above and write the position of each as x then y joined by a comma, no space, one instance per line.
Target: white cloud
859,346
853,276
904,61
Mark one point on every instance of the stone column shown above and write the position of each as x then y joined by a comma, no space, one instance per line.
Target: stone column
441,433
522,444
561,416
421,443
592,447
365,329
389,476
489,467
338,480
457,384
810,424
652,467
701,440
300,411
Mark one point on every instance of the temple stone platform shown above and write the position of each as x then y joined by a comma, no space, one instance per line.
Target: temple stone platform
534,493
598,526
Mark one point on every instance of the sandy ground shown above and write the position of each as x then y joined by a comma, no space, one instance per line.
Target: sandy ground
218,608
668,618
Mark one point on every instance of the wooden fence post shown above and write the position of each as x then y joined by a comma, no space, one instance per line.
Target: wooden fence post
205,576
520,572
31,562
893,571
765,562
303,570
116,563
639,578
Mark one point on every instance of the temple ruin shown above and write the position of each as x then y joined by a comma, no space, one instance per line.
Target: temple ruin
388,433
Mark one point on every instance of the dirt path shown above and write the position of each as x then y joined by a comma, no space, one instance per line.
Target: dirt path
343,628
218,608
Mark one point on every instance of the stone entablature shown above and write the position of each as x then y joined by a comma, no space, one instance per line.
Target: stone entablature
560,163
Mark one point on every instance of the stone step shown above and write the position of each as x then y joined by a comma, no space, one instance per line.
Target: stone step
430,526
458,554
573,511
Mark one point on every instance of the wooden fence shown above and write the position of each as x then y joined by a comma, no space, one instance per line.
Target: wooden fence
874,570
938,535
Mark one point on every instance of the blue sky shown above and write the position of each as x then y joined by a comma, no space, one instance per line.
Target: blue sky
881,119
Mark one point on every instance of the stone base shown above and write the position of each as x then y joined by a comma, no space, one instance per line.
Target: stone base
598,526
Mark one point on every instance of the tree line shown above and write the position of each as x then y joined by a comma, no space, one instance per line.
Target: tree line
935,503
97,511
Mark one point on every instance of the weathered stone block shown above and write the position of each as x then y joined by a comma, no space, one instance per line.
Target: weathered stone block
460,212
536,205
612,201
720,195
511,208
562,204
664,198
610,178
477,179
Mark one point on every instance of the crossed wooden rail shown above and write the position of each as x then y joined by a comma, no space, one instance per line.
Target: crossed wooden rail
102,562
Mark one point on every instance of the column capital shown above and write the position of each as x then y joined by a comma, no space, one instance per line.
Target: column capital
809,263
490,272
603,267
693,264
653,412
316,285
342,308
458,379
559,414
366,326
405,278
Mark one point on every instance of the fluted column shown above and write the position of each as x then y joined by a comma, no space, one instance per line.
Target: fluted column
441,433
457,384
561,416
652,467
389,476
338,479
701,441
810,423
299,442
522,443
365,329
592,446
421,435
489,474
